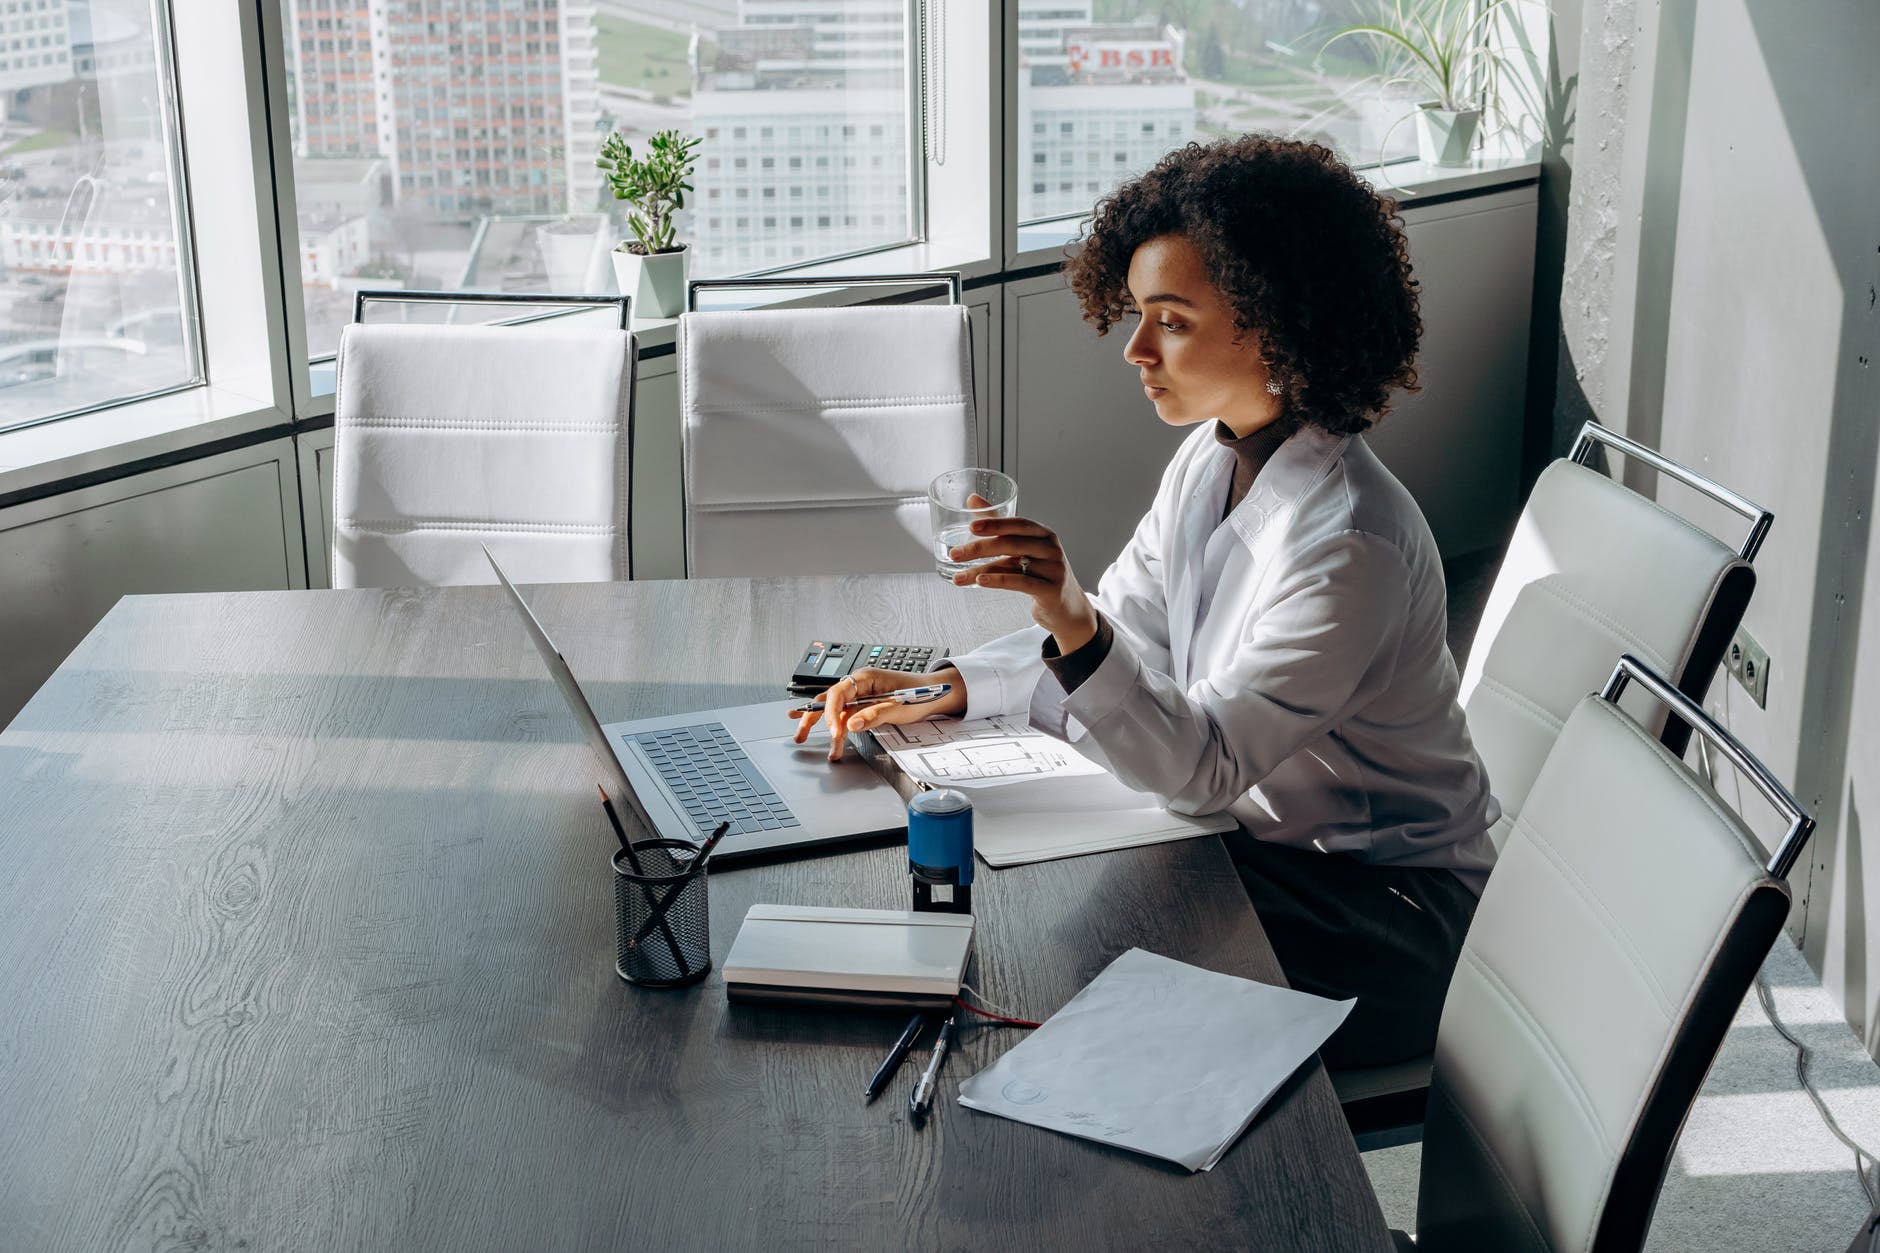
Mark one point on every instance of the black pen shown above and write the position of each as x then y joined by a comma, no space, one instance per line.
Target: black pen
893,1061
920,1100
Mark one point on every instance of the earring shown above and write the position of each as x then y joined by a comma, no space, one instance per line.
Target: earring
1273,388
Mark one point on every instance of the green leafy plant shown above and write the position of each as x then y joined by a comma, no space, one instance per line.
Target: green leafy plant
1459,55
654,186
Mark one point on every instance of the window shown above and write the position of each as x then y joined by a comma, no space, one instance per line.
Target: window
1130,85
770,86
96,298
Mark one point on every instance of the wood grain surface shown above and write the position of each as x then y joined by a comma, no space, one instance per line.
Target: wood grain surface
306,943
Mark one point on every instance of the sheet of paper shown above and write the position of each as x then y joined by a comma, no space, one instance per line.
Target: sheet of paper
986,752
1158,1057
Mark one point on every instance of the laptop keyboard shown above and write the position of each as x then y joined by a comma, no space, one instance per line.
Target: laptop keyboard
714,780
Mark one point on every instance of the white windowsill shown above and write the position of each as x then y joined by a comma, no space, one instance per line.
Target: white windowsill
928,258
35,455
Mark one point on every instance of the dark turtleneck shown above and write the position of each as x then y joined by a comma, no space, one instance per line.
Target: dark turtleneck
1251,453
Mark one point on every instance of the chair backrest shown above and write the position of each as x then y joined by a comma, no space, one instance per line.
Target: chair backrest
811,435
1595,570
1622,927
450,436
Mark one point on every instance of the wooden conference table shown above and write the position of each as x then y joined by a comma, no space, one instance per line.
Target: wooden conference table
306,942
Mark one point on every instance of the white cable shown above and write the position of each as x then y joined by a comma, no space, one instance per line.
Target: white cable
988,1002
1861,1156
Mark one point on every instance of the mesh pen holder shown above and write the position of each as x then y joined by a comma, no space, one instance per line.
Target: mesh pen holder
662,916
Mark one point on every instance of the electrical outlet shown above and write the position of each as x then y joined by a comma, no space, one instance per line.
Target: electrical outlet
1748,662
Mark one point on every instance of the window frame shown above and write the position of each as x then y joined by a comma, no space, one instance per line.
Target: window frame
164,60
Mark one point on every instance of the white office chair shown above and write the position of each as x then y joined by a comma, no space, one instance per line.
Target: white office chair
1594,570
1619,933
448,437
810,435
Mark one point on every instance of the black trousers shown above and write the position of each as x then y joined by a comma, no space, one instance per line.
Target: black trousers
1388,935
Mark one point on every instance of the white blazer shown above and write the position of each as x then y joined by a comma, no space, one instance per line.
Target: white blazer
1288,665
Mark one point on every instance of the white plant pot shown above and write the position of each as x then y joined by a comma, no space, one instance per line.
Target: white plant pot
656,283
1446,136
566,248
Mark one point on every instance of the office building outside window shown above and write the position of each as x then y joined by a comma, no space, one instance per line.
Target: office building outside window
1105,88
451,143
95,303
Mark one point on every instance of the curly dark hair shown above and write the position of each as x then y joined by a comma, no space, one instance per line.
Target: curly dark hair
1310,258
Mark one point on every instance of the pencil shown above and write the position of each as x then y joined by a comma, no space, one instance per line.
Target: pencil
633,862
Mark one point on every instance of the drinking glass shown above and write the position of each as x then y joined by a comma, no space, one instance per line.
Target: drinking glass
953,518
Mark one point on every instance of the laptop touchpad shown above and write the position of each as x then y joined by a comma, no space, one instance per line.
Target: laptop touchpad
805,769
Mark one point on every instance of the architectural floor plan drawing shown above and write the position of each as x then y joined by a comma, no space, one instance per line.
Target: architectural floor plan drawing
981,753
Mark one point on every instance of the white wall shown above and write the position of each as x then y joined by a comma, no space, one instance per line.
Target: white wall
1744,333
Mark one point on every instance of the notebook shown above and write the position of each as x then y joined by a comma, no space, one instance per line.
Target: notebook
868,958
1159,1057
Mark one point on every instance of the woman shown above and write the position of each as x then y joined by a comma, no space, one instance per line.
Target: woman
1271,642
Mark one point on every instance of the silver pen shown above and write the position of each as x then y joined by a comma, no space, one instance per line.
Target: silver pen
920,1100
900,696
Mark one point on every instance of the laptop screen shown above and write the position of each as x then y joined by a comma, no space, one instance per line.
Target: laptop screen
613,778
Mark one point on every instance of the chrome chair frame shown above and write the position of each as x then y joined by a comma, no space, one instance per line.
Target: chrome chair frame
1800,825
1593,434
950,279
1726,612
421,297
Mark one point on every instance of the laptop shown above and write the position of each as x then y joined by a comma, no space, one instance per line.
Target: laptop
683,775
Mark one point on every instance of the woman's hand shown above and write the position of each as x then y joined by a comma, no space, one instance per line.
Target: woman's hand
871,682
1029,559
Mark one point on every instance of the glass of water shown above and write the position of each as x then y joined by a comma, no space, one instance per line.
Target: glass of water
953,516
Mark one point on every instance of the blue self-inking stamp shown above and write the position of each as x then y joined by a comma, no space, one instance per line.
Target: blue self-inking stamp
940,850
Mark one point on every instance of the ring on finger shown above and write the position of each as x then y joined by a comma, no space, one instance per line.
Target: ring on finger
1024,565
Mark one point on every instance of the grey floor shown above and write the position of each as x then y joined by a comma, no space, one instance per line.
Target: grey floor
1756,1169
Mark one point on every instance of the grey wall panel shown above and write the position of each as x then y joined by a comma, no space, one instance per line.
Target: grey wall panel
1456,443
316,501
986,353
658,488
224,523
1081,439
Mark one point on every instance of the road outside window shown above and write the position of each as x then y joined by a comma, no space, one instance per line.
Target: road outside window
94,299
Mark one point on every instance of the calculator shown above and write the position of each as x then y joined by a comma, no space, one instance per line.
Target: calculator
824,662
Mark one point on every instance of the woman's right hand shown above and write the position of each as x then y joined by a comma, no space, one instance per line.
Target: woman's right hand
872,682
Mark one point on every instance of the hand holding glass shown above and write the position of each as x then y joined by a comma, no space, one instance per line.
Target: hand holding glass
957,499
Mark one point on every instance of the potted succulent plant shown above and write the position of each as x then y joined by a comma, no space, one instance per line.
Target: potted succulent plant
1447,51
650,267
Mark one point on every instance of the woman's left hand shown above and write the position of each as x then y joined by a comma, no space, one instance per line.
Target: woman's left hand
1026,557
